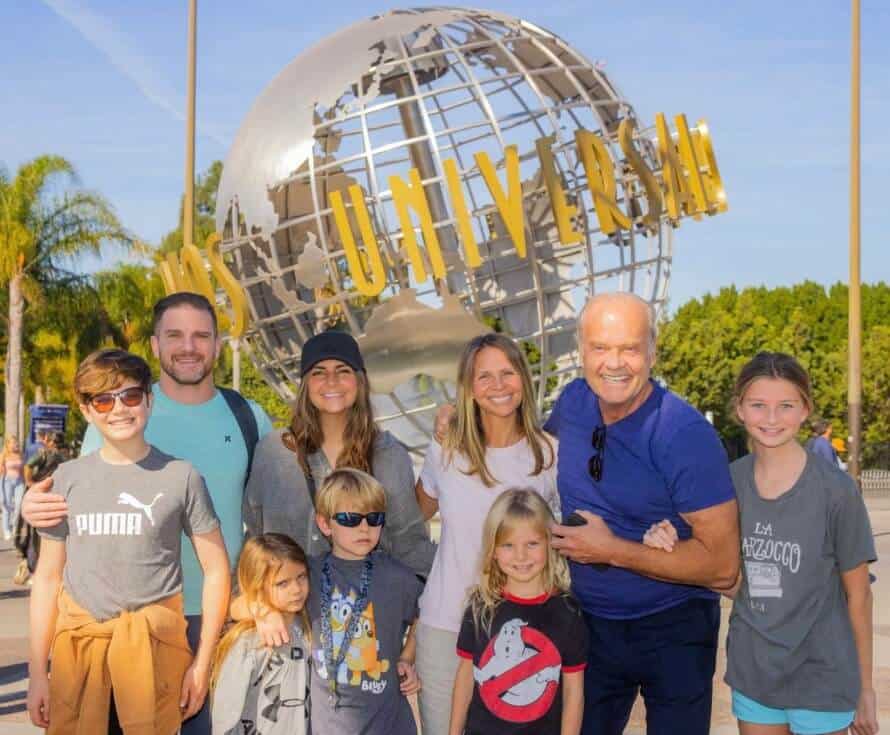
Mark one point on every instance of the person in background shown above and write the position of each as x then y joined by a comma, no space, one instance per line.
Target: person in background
13,482
820,443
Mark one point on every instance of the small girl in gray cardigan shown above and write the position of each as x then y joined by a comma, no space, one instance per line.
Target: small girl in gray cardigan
259,690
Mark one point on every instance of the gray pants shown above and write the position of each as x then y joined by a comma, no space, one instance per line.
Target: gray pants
436,663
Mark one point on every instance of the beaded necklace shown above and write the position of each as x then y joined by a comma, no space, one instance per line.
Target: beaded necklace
350,627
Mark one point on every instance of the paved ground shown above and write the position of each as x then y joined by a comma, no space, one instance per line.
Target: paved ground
14,644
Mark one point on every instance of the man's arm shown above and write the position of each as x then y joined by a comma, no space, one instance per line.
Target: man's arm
709,559
211,553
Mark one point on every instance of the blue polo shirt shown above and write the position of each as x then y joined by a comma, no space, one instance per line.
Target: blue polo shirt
662,460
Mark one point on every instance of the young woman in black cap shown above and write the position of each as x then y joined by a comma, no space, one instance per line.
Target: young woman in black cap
332,426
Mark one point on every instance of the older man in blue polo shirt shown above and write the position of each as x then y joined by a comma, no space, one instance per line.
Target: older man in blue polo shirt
631,454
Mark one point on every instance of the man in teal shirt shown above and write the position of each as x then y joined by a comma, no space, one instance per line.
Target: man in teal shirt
191,420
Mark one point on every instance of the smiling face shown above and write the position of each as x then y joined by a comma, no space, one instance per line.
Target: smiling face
350,543
332,386
186,344
497,385
772,411
289,587
617,354
522,555
122,423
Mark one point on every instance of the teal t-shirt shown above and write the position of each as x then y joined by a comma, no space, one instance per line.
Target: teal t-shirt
208,436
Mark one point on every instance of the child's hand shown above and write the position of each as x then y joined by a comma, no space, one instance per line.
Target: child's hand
661,535
270,626
38,700
409,682
866,720
194,689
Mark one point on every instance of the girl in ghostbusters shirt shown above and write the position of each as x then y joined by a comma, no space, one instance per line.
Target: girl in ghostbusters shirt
799,650
523,642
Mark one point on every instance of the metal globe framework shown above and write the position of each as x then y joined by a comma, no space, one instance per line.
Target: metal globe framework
414,89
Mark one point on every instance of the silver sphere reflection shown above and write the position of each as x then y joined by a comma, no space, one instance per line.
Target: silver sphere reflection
412,89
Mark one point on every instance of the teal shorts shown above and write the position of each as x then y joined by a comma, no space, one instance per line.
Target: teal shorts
800,721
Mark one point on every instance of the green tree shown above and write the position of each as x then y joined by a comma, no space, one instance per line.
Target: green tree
703,346
46,220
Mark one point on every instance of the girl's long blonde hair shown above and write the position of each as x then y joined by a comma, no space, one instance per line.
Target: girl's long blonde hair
304,435
260,560
512,508
466,435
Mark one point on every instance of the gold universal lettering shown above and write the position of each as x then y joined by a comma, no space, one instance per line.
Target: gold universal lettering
353,258
404,198
647,178
509,205
704,150
563,212
677,196
601,181
194,270
230,286
698,201
462,214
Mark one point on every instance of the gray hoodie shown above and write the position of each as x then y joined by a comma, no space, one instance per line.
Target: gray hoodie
277,500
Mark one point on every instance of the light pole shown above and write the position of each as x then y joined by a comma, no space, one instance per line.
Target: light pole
854,365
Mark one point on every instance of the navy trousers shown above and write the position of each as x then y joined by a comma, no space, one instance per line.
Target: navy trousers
668,657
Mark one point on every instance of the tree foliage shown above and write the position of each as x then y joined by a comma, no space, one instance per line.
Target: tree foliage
703,346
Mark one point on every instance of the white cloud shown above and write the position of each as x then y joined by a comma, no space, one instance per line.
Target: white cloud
118,49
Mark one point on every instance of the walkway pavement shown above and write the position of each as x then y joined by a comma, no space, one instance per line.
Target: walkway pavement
14,643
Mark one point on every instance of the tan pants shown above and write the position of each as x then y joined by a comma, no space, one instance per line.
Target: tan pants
436,666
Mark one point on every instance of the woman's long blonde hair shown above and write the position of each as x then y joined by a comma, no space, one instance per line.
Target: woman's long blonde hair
304,435
7,449
260,560
512,508
466,435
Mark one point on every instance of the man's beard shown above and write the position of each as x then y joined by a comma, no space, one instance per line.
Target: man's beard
168,365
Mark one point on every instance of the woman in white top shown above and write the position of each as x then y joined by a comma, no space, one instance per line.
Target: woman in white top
493,444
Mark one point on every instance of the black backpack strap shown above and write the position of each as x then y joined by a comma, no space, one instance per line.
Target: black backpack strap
243,414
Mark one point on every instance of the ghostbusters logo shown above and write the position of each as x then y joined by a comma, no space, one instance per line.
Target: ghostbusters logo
518,673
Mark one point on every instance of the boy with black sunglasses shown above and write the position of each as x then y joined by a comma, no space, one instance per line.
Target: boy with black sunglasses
362,602
107,595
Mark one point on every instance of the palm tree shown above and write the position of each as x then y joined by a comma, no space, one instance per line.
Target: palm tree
46,220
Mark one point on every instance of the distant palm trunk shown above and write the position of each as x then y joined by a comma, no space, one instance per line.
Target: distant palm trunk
14,356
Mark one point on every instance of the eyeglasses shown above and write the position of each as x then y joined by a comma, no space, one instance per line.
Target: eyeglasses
595,463
351,520
130,397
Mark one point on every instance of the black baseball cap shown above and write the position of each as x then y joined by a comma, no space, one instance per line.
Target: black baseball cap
331,345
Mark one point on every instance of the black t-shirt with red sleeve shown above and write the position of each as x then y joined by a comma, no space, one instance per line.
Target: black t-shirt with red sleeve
518,668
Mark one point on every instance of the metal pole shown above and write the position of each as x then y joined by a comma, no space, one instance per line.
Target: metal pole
188,204
235,344
854,398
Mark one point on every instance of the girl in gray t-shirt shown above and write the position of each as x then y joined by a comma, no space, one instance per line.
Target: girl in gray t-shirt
799,649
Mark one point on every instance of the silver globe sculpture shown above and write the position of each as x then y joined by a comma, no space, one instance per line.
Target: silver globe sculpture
408,90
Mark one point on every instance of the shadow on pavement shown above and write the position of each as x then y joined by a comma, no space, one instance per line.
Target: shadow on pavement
13,673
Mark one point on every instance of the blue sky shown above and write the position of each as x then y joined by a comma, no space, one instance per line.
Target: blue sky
102,83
